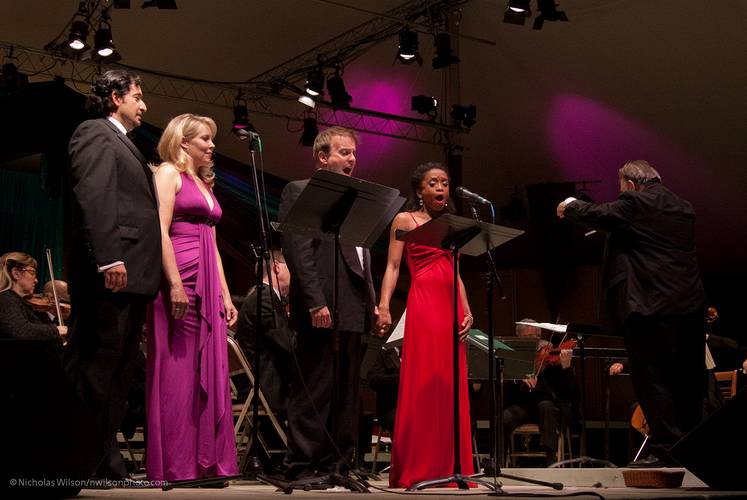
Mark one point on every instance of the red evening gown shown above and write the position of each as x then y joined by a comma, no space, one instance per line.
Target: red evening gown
423,441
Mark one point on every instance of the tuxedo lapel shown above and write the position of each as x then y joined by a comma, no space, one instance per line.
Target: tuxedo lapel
136,152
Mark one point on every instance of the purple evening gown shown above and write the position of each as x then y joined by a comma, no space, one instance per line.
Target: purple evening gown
190,423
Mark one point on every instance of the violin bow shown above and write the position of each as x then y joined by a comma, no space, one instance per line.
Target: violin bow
54,288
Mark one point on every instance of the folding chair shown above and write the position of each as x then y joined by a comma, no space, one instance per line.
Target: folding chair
242,411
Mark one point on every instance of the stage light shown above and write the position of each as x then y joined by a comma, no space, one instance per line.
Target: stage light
337,93
407,50
315,82
548,12
310,131
161,4
444,57
78,35
102,41
307,100
424,104
517,12
518,5
464,115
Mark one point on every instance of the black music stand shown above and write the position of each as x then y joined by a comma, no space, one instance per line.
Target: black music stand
459,234
346,210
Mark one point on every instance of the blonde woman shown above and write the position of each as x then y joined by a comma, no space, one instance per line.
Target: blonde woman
17,318
190,424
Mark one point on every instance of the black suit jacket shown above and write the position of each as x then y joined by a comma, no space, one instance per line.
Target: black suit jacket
115,206
311,263
276,361
650,266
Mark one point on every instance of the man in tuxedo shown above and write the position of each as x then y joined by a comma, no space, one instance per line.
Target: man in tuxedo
653,296
116,259
278,340
311,263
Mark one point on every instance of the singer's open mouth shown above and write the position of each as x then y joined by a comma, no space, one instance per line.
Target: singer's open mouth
439,197
347,170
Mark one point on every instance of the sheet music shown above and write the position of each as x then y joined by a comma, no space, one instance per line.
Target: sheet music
398,334
546,326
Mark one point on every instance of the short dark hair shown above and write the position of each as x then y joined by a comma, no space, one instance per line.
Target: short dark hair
118,81
416,179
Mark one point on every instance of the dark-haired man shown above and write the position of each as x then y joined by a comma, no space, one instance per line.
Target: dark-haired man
653,296
116,261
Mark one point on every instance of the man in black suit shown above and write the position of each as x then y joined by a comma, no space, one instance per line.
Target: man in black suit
311,264
116,260
653,295
276,349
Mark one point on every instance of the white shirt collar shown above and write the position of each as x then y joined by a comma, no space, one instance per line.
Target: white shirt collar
118,124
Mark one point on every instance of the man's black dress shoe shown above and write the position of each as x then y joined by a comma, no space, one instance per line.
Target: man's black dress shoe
650,462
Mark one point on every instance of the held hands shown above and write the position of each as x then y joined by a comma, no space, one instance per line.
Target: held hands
179,301
321,318
383,321
231,313
115,278
466,325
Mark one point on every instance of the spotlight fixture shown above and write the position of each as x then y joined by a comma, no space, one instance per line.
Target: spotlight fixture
424,104
315,82
102,39
518,5
307,100
78,35
444,57
161,4
310,131
548,12
517,12
407,50
464,115
337,93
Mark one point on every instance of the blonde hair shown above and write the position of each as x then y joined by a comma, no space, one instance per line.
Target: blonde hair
170,146
323,140
10,261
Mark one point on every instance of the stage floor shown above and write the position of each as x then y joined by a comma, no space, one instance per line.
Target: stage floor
579,483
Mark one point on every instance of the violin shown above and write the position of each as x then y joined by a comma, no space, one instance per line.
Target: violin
549,354
43,303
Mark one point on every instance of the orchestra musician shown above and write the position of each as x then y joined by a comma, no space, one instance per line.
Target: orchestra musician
546,396
18,317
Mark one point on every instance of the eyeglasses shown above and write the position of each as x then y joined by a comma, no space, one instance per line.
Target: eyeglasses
30,270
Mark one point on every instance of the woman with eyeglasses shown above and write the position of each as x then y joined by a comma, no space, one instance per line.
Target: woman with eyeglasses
17,318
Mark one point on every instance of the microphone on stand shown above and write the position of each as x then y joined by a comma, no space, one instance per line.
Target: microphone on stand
473,198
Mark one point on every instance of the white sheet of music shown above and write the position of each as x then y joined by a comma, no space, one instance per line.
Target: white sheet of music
546,326
398,334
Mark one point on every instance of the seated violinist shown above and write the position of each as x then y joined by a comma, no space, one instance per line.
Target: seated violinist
17,317
544,398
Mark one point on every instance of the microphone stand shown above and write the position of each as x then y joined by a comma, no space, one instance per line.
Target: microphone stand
253,467
492,468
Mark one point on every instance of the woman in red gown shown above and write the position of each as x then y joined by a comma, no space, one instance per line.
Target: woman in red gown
423,441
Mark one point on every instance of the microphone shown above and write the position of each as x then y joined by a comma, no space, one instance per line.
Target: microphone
468,195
